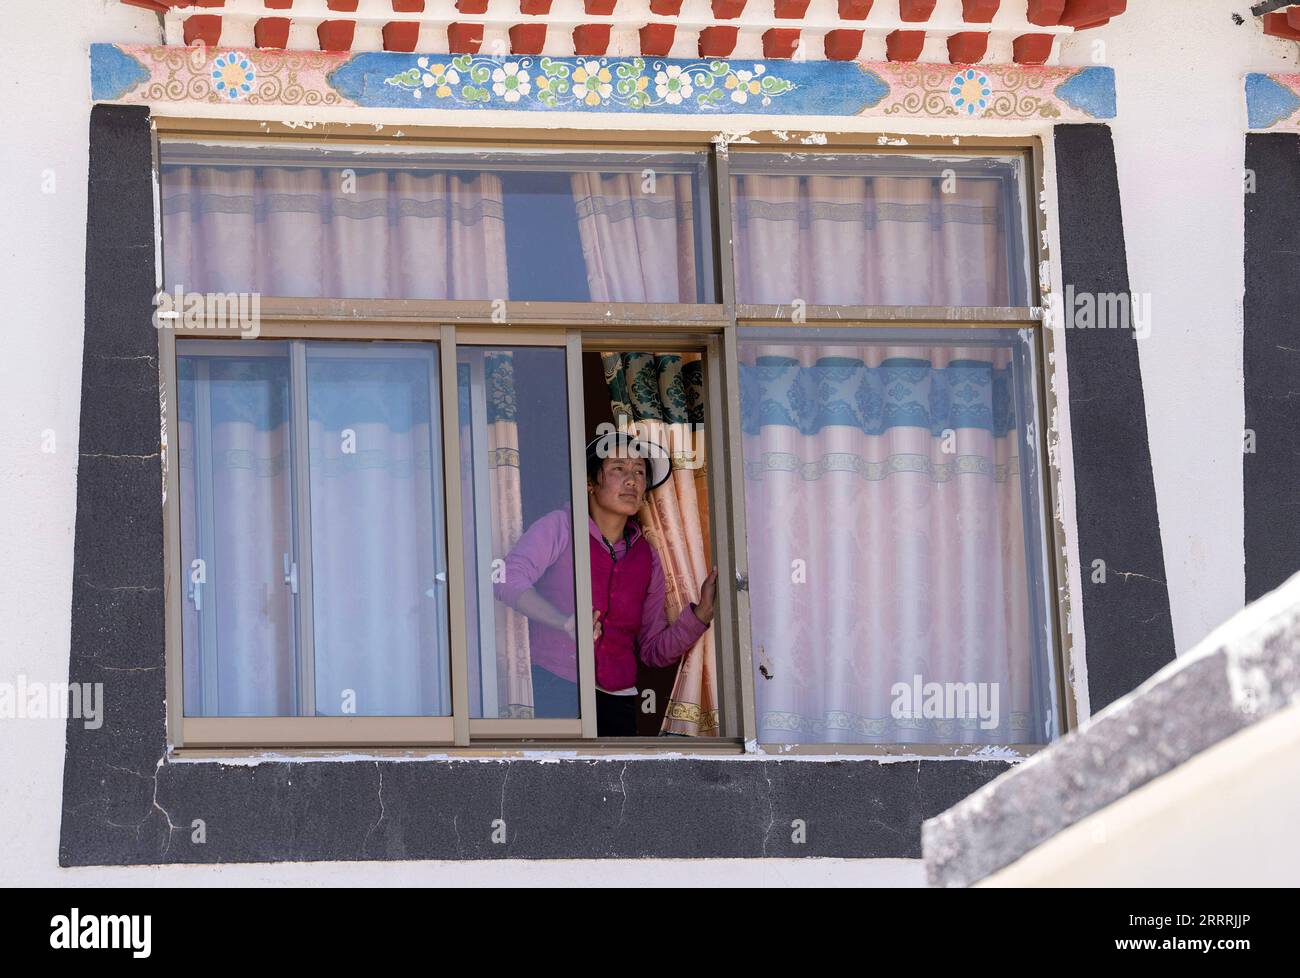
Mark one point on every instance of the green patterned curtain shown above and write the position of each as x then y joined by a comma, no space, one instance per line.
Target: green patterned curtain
655,387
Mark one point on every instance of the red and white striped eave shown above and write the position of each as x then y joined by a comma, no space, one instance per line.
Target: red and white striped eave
1283,22
960,31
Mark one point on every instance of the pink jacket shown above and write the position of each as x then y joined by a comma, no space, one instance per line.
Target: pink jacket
629,593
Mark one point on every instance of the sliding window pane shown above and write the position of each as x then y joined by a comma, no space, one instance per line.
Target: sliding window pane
516,489
353,222
378,554
879,230
895,537
239,641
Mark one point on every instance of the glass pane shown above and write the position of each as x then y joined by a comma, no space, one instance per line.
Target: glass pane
351,222
516,497
879,230
237,530
896,549
378,561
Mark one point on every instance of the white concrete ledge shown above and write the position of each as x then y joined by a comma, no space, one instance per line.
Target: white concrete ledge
1245,671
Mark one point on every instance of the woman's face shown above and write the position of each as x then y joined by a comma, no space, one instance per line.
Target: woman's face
620,487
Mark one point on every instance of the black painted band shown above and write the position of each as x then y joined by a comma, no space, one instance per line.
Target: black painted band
1126,614
1271,361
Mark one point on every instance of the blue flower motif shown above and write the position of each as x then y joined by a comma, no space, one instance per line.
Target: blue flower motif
233,75
970,91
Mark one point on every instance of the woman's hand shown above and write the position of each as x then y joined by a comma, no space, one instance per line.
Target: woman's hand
570,626
708,593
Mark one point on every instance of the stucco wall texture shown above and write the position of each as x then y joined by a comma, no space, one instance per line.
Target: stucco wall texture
1179,141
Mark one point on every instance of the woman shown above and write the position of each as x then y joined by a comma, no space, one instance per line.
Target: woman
627,590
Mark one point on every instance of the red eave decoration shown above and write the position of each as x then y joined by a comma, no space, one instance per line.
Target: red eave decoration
592,40
780,42
979,11
904,45
1045,13
915,11
401,35
1082,14
1032,49
527,38
843,45
271,32
657,39
783,27
968,47
1284,24
204,28
464,38
718,42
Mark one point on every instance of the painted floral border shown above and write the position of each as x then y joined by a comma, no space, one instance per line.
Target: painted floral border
632,83
158,75
1273,101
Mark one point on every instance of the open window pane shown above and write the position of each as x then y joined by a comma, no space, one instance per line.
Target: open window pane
661,397
879,230
378,553
897,590
353,222
239,641
516,483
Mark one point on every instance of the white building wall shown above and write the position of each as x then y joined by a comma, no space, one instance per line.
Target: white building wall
1181,153
1180,147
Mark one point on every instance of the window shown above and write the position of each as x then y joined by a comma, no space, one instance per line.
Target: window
340,223
514,424
889,492
886,230
384,527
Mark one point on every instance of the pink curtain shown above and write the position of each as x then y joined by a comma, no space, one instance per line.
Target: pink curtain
311,232
675,519
885,539
851,240
638,237
514,662
497,451
883,511
376,514
240,631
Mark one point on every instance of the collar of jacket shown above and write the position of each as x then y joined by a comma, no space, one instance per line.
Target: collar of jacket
631,532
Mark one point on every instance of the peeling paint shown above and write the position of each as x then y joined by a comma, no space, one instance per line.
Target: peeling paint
724,139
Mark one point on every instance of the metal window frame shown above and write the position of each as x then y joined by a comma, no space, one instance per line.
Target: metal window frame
710,327
304,728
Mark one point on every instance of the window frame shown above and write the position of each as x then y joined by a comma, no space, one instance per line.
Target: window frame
578,326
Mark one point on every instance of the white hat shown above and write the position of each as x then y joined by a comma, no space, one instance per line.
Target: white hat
620,444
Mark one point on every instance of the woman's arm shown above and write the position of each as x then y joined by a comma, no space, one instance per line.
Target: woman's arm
532,605
541,545
660,643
